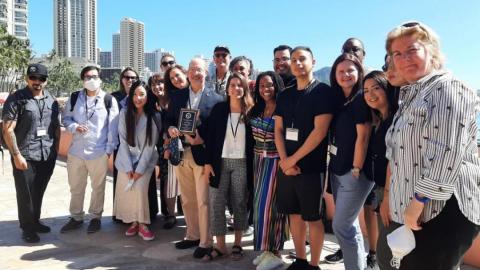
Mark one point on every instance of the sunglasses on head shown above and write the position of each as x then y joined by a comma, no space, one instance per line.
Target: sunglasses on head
410,24
166,63
37,78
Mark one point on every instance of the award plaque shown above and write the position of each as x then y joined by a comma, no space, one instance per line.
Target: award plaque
188,121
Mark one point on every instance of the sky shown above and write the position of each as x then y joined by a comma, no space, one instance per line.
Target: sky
254,27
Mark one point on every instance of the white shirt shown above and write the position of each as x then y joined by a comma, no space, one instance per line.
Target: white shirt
194,98
234,143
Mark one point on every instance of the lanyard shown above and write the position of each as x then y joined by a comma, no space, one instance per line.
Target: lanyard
265,132
305,90
40,110
234,133
86,108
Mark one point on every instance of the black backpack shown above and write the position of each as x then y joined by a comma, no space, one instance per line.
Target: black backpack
107,100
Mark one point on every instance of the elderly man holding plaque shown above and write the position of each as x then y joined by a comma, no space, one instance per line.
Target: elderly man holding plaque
187,118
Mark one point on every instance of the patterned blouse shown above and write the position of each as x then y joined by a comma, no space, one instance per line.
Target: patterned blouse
432,148
263,133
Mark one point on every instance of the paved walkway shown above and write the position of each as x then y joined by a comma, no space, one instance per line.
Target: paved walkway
107,249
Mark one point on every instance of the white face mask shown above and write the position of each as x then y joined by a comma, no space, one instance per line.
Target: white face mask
92,85
401,241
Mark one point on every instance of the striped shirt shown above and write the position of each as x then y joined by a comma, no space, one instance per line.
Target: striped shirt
432,148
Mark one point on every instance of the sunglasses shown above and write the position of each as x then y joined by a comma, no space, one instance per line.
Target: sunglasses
410,24
166,63
223,55
37,78
130,78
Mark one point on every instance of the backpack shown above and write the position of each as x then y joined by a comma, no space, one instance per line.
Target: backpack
107,100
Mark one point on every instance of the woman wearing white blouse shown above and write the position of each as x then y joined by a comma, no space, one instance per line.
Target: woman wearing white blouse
228,165
433,160
136,161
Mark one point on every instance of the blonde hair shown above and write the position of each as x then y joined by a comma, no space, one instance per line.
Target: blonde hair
423,34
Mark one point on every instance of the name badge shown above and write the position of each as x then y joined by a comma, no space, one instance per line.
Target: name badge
292,134
41,132
333,150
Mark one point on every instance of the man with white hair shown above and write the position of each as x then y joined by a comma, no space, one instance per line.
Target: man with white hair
192,187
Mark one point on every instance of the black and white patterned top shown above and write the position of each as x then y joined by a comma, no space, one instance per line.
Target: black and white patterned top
432,148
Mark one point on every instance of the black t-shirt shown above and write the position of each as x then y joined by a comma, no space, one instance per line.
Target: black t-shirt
344,131
375,165
298,110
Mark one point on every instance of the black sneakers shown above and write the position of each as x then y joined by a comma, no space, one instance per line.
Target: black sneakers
301,264
94,226
336,257
42,228
170,222
30,237
71,225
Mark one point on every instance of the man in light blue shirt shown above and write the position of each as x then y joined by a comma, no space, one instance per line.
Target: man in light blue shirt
89,115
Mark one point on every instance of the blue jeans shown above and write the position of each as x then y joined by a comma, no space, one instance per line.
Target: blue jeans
349,194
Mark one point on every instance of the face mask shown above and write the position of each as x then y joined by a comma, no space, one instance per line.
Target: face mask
401,242
92,85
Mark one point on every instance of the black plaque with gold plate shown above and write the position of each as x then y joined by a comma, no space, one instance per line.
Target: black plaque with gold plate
187,121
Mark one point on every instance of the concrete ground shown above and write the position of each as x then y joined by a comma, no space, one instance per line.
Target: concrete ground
109,248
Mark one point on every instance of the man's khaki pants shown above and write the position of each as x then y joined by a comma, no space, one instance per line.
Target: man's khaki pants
78,171
194,192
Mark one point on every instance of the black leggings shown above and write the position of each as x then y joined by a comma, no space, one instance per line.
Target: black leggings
440,245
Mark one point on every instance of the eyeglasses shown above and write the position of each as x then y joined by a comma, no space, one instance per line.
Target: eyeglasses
223,55
166,63
37,78
88,78
133,78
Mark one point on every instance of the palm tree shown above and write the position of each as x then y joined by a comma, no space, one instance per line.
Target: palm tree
14,57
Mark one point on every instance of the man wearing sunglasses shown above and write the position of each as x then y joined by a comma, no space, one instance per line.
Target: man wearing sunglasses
31,131
168,60
218,79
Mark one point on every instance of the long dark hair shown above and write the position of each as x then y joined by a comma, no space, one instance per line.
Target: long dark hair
122,88
148,109
259,102
381,79
333,79
247,100
168,81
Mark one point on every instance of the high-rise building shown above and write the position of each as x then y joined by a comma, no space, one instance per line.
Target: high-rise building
116,50
75,28
150,61
132,44
105,59
14,15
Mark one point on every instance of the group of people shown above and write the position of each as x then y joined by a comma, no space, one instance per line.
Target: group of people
397,146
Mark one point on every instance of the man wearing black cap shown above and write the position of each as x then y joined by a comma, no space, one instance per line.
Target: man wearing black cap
32,133
218,79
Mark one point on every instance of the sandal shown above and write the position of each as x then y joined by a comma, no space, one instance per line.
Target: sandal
237,253
213,254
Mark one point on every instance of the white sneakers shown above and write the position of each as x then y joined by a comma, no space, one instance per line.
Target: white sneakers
267,261
259,258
